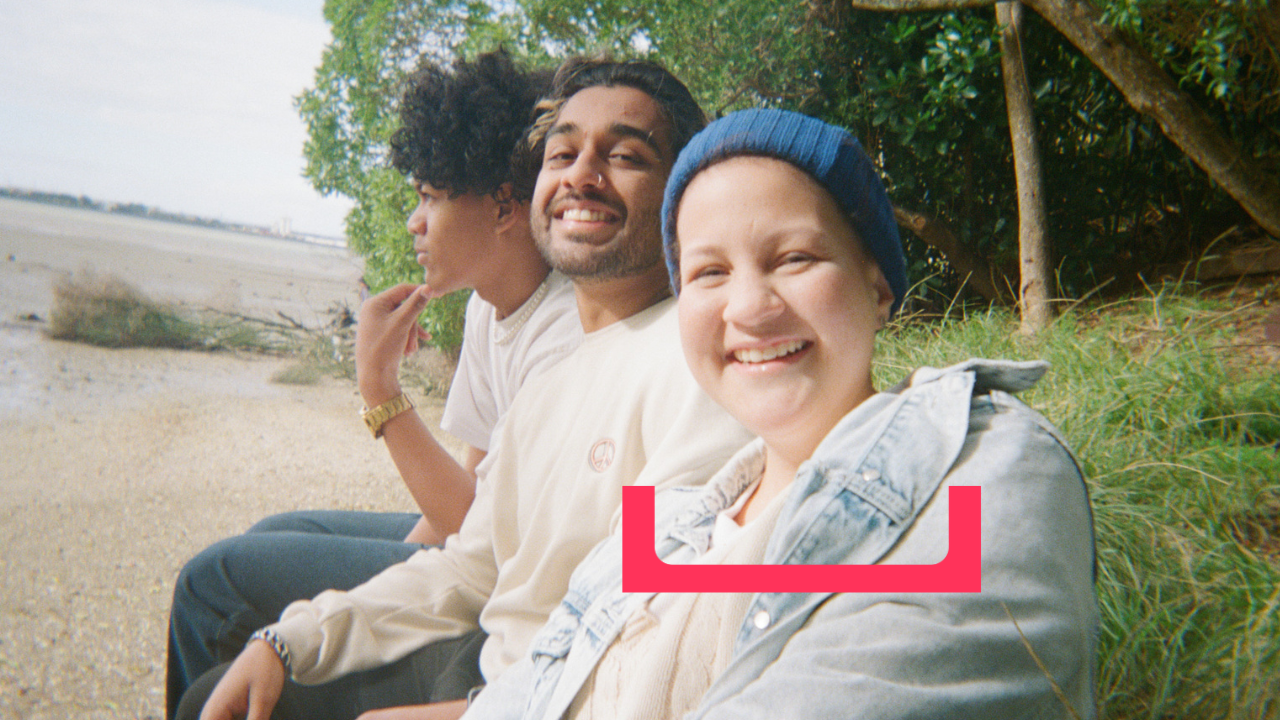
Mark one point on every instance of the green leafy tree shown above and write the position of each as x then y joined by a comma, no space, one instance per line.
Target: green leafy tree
1149,87
350,114
923,90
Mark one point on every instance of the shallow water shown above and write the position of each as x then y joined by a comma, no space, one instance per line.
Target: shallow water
200,267
235,272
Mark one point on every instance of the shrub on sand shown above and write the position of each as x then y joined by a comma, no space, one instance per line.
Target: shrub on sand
299,373
109,312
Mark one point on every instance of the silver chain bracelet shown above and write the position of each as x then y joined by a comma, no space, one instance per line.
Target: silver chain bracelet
270,637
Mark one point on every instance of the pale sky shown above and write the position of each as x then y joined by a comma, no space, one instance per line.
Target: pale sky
184,105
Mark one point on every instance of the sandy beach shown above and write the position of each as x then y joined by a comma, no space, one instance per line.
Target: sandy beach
118,465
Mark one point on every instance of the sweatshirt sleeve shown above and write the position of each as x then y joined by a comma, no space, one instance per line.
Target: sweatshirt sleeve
434,595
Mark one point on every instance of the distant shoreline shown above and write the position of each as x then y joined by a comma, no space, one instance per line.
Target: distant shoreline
144,212
245,273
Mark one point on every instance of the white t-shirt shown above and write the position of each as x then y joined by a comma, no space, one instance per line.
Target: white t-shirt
498,356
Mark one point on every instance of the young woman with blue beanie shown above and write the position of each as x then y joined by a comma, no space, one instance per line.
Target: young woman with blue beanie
786,260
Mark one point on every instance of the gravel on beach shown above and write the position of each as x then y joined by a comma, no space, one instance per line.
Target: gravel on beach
130,463
116,466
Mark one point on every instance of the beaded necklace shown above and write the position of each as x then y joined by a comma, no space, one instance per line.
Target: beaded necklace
517,321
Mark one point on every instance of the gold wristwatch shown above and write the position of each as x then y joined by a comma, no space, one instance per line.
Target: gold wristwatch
379,416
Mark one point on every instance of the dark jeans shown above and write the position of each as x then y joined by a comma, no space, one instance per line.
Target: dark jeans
240,584
444,670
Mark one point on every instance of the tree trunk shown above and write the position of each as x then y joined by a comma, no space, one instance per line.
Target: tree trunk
1035,286
1150,91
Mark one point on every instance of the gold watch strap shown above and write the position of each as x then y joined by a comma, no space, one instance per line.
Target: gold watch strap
379,416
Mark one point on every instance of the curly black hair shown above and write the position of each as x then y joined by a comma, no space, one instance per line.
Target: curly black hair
459,125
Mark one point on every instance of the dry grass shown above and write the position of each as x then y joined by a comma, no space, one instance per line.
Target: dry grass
331,353
109,312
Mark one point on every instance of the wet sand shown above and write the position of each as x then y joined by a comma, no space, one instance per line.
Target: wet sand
118,465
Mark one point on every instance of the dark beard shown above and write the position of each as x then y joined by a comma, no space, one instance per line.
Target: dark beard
624,257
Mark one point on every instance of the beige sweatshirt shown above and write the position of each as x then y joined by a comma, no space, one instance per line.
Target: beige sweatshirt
622,409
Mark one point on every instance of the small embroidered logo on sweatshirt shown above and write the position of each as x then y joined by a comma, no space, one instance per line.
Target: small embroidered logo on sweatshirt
601,455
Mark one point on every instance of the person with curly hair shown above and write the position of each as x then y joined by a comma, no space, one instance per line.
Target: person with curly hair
460,128
622,409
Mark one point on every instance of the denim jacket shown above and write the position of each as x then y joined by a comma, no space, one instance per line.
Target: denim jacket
871,494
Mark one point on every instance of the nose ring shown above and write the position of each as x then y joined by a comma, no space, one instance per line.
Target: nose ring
599,179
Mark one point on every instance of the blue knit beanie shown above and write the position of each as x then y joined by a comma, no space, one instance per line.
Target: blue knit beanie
830,155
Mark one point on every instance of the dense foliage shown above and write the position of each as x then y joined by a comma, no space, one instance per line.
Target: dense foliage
350,114
1180,486
923,91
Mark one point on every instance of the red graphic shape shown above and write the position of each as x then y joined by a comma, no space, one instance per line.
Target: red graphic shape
959,571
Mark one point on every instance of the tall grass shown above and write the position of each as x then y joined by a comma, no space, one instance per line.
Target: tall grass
1180,443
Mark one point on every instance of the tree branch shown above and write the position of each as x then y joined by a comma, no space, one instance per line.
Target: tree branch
938,236
1035,284
918,5
1150,91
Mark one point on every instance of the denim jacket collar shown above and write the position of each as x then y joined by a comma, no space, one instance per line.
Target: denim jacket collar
862,457
694,525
